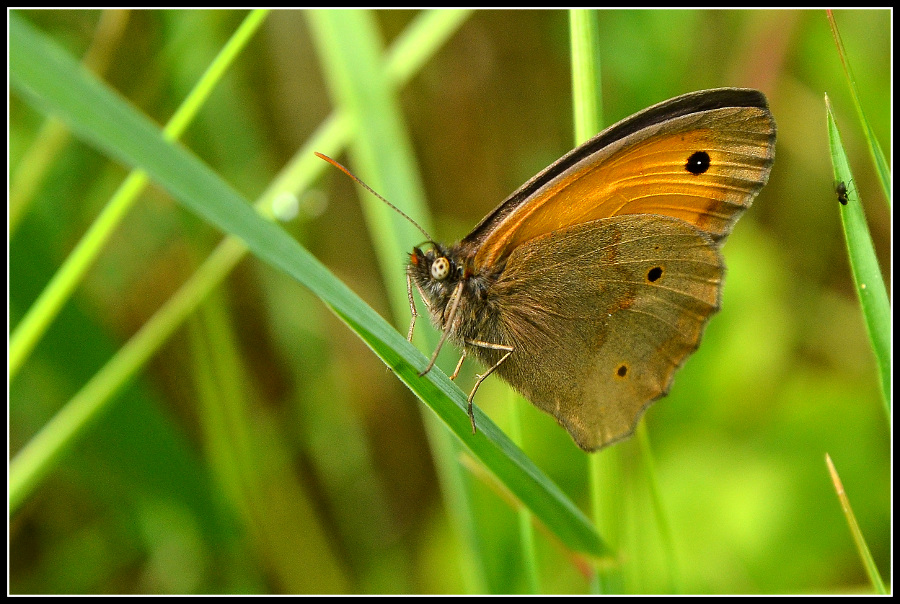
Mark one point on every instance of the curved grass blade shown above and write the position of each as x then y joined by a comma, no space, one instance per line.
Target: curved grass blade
863,262
47,76
51,138
349,48
48,304
382,152
428,31
882,168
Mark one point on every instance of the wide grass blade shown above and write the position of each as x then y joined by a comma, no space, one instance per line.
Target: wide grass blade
350,52
426,32
47,306
48,76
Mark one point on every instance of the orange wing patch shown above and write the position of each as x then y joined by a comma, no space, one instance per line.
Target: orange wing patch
703,168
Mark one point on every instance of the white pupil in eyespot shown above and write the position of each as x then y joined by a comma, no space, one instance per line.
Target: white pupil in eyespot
440,268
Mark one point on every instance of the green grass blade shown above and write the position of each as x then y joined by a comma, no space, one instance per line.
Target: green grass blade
661,514
35,163
254,464
882,168
526,526
417,43
604,467
31,328
863,262
47,76
350,55
382,154
864,553
43,452
587,94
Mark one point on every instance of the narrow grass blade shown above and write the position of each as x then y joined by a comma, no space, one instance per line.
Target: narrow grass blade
35,322
587,94
882,168
254,464
863,261
52,137
858,538
350,55
44,451
47,76
604,467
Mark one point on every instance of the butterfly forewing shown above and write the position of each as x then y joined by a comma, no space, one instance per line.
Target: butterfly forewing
704,168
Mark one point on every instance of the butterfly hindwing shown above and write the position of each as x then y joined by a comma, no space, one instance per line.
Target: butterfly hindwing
600,315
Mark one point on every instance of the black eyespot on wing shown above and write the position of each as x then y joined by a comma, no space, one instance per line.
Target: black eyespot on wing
698,163
654,274
622,371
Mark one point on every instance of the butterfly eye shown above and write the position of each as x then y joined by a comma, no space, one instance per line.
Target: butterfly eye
440,268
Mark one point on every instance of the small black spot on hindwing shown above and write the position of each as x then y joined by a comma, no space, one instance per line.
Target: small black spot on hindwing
654,274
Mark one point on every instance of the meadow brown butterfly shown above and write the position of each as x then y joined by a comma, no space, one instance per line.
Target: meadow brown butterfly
589,286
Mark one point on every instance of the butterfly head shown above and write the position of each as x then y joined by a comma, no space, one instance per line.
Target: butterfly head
435,266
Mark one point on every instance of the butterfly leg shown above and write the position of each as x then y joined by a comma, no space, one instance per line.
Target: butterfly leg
413,313
451,316
482,377
458,365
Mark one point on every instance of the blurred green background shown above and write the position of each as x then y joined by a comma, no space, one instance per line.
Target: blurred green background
347,499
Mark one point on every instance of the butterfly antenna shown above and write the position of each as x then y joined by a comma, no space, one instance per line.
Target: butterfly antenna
373,192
